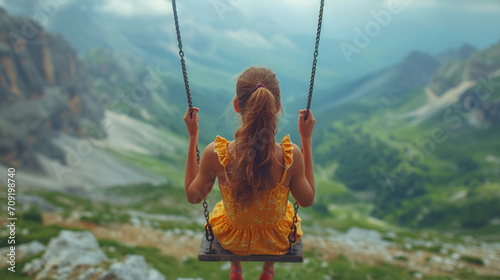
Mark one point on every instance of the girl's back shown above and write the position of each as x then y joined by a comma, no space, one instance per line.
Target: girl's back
266,207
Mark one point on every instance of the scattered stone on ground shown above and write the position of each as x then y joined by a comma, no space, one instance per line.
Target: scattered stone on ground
77,255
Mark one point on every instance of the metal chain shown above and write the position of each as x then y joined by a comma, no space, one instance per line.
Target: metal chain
292,237
183,66
206,212
315,59
181,54
209,234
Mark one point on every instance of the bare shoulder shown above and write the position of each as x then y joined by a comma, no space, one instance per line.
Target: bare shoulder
297,151
209,151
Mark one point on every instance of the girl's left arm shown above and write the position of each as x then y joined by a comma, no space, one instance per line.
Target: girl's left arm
198,181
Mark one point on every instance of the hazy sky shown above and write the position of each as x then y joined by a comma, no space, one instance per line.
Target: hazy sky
222,37
281,32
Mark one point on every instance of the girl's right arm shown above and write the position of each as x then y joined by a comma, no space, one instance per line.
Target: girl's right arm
302,181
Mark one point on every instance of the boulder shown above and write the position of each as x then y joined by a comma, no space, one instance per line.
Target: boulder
66,252
22,251
77,255
133,267
27,201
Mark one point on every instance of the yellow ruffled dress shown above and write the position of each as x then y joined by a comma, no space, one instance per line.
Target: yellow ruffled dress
261,228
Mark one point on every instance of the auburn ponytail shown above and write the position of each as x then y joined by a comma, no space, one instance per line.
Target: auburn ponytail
258,95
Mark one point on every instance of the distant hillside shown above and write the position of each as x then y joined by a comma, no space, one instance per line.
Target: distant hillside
462,53
149,93
414,71
471,82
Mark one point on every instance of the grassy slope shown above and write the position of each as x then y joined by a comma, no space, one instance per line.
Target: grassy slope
157,202
366,140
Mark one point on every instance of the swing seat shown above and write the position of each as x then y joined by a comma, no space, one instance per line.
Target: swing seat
221,254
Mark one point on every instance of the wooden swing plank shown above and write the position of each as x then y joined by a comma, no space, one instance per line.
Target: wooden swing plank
222,254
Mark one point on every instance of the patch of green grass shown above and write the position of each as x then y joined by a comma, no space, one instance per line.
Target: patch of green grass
148,199
18,275
433,249
68,202
171,167
36,231
402,258
472,260
32,215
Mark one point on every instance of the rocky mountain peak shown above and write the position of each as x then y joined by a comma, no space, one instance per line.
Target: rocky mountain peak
415,70
461,53
418,59
44,91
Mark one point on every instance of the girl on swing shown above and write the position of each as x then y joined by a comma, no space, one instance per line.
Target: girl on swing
255,173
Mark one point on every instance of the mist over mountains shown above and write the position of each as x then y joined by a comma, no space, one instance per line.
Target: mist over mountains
278,34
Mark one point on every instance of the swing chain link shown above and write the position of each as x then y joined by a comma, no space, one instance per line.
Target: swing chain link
181,54
292,237
209,234
315,59
208,227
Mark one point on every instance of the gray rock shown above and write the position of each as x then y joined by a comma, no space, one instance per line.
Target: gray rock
30,249
66,252
89,274
22,251
40,203
360,234
4,48
33,267
391,234
76,255
133,267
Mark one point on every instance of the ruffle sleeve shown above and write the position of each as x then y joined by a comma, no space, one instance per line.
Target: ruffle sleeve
220,147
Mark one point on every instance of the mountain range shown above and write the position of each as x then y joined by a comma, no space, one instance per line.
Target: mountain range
45,91
419,139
